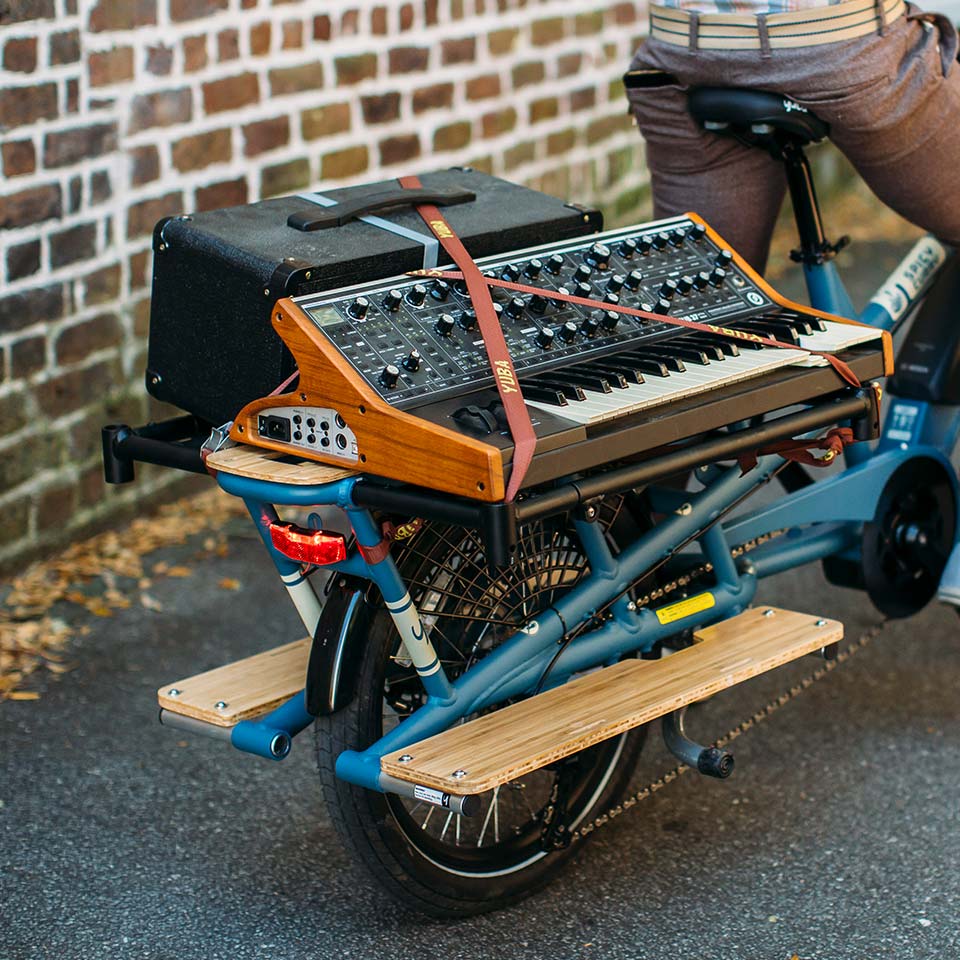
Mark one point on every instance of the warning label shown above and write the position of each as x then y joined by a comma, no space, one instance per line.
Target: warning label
685,608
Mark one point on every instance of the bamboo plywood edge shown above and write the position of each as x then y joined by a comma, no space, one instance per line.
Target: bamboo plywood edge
246,461
247,688
518,739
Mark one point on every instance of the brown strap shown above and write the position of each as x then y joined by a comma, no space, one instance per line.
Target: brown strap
504,374
798,450
388,533
838,365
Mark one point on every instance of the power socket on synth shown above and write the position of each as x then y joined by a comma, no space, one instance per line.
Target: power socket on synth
314,429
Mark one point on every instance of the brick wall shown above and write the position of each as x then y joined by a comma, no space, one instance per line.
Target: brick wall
114,113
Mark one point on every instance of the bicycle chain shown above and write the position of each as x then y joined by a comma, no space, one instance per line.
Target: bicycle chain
768,710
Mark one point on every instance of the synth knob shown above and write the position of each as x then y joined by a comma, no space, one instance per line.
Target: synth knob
467,320
609,319
627,249
560,304
461,287
724,258
611,298
555,264
698,232
417,294
412,361
440,290
662,306
392,301
643,245
701,279
568,331
668,289
590,326
717,276
515,307
510,272
633,280
616,282
358,309
598,256
684,285
532,269
582,273
583,290
661,239
498,310
538,304
545,337
389,376
678,236
444,325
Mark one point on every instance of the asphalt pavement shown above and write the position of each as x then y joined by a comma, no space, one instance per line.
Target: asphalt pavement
837,837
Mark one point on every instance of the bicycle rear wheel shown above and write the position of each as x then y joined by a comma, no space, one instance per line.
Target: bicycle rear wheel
431,860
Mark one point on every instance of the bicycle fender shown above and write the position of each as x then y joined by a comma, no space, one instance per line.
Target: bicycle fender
335,657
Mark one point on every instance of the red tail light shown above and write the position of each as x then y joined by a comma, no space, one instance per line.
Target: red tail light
317,547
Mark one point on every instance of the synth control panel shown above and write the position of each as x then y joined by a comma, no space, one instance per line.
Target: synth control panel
415,341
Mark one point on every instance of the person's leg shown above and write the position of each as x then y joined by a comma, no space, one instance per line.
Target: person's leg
902,132
738,190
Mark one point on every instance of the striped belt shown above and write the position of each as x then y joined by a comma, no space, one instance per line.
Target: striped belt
799,28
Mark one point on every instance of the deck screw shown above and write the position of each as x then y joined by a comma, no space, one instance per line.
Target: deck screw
768,613
406,758
458,774
821,623
220,705
173,692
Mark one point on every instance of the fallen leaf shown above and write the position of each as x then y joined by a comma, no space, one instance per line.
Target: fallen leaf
228,583
23,695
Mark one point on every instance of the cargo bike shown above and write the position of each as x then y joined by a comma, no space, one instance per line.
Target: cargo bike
481,670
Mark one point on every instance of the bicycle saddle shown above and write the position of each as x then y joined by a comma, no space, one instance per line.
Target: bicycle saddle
748,113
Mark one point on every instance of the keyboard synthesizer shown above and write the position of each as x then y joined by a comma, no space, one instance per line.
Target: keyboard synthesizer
395,380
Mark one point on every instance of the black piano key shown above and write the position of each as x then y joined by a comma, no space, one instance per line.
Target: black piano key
803,327
653,366
543,394
616,379
772,329
654,362
814,322
674,348
726,344
571,391
581,378
630,372
710,349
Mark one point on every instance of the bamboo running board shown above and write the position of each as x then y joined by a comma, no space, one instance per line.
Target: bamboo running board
247,688
508,743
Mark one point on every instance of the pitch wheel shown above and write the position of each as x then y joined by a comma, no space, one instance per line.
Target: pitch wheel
430,859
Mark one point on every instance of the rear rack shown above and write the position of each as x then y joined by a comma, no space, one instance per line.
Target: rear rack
176,443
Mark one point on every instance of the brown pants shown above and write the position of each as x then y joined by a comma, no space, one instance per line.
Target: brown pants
892,102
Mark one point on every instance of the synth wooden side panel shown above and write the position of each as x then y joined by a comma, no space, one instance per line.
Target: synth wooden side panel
517,739
778,298
391,443
249,687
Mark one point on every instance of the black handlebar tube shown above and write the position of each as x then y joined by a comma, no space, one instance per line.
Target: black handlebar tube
169,443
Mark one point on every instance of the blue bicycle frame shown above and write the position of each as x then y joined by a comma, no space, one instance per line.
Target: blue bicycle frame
822,519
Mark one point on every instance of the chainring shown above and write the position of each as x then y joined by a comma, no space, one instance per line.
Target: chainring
905,548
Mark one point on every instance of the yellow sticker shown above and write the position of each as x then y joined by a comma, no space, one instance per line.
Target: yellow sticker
686,608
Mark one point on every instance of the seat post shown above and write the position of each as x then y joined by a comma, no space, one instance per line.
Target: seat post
815,248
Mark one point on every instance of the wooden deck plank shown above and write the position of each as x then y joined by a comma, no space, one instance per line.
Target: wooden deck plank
263,464
508,743
249,687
